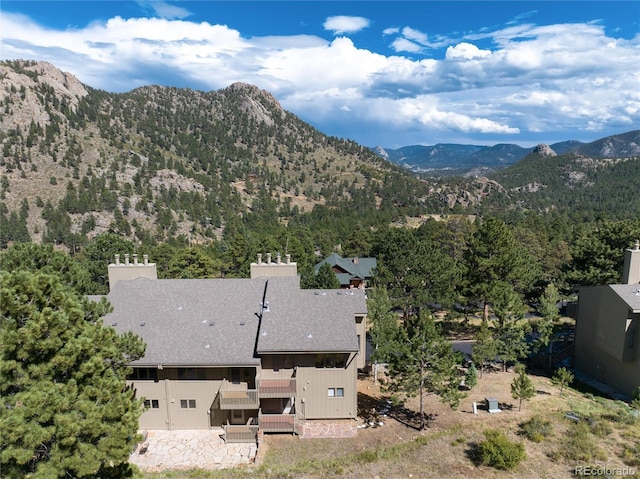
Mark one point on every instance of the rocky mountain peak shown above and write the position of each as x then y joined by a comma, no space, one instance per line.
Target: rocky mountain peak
21,84
544,150
259,104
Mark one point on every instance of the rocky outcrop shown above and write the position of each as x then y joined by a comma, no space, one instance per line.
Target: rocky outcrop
544,150
28,88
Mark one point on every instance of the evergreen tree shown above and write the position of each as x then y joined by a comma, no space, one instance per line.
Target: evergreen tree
325,278
549,310
384,326
96,256
510,331
424,363
65,409
562,378
44,258
597,253
485,348
471,378
522,387
495,261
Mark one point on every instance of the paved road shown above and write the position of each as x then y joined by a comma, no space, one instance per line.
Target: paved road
463,346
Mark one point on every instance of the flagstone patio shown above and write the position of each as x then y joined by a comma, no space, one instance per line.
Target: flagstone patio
190,449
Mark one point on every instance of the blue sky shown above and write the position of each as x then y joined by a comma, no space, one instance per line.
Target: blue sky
380,73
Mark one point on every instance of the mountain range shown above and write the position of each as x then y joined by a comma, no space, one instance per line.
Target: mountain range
455,159
160,163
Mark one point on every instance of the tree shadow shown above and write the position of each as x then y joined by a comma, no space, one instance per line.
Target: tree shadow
374,410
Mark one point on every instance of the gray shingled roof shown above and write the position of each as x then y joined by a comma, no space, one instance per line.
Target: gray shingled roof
200,322
630,294
190,321
310,320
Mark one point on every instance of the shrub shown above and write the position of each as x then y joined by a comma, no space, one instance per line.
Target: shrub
600,428
536,429
579,445
498,451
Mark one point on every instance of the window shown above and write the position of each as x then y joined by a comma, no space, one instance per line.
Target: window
191,373
187,403
151,404
144,373
335,392
331,360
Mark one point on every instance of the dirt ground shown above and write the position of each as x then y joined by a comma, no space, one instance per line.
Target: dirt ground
391,450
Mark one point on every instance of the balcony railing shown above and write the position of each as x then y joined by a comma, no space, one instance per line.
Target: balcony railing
277,388
233,397
277,422
241,433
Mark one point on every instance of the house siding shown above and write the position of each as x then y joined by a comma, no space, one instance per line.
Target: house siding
604,348
312,392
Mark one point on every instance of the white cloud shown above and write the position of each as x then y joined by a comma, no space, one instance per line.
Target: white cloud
391,31
465,51
165,10
404,45
415,35
532,79
343,24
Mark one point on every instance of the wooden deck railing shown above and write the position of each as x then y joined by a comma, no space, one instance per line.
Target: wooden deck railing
277,388
237,398
277,422
242,433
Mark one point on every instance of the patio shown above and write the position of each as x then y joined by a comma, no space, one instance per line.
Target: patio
190,449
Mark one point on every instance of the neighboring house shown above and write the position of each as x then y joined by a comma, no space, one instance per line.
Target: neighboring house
607,339
252,355
351,272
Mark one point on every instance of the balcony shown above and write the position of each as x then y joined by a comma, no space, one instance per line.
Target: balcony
232,396
277,388
243,433
277,422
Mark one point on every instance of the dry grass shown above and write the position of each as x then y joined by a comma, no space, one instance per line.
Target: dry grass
444,450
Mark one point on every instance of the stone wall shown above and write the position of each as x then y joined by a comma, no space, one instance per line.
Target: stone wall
328,429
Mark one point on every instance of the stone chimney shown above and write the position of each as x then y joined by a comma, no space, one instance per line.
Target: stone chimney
126,271
631,270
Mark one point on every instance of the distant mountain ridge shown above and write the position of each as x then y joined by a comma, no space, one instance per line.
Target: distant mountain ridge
457,159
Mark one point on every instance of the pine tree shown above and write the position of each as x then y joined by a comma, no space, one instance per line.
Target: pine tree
65,409
485,347
494,261
549,310
424,363
384,326
522,387
471,378
562,378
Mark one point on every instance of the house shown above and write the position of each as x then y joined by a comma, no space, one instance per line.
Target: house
254,355
351,272
608,329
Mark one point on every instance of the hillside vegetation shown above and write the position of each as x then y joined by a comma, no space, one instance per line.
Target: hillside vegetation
164,164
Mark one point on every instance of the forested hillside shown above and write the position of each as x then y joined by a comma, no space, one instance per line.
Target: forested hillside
573,185
159,163
202,181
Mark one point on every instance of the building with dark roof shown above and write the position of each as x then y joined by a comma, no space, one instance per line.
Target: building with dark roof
250,355
351,272
608,329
